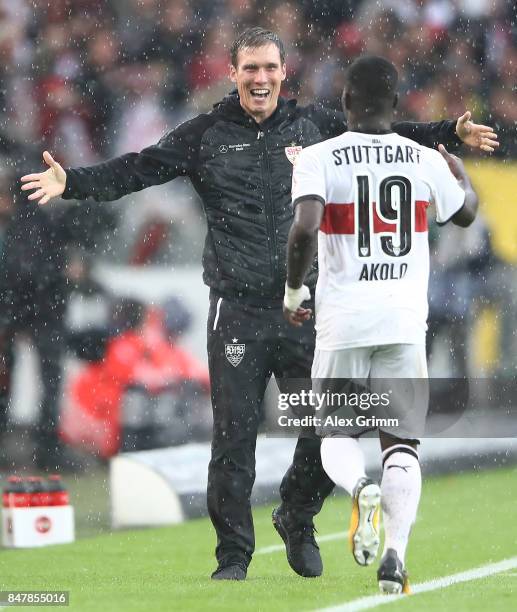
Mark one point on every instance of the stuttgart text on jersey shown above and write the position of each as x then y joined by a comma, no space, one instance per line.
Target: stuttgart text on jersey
376,154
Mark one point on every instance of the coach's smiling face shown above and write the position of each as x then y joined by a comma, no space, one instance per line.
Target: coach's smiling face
258,76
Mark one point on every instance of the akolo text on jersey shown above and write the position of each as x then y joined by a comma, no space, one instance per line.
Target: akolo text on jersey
373,249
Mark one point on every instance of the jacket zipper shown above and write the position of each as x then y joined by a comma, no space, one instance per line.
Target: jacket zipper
269,208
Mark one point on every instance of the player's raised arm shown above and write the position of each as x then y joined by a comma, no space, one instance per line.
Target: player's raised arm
467,213
48,184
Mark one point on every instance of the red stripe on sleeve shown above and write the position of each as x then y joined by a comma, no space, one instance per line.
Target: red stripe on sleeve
421,216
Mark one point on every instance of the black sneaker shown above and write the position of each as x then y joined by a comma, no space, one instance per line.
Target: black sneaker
303,553
392,576
230,572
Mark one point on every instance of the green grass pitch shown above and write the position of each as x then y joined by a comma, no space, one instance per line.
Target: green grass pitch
465,521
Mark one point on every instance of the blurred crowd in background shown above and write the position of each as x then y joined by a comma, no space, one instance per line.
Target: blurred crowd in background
93,78
90,79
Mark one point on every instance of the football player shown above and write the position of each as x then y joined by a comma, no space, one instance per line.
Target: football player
361,198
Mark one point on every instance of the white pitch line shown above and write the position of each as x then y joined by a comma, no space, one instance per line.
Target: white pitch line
366,603
266,550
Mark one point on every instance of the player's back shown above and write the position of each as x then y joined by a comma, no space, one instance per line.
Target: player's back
373,247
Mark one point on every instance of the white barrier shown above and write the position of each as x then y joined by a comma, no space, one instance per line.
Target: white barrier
168,486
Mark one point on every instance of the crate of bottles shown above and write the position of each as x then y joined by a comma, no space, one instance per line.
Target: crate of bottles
36,512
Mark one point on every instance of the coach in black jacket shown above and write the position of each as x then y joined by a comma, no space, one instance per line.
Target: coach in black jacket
239,158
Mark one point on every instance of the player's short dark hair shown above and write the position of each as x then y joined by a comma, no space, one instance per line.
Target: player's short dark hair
253,38
372,79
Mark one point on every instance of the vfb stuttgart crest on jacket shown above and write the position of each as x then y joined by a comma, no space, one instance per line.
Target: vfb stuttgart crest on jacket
292,153
234,352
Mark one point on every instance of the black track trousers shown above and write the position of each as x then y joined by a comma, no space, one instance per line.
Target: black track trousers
272,346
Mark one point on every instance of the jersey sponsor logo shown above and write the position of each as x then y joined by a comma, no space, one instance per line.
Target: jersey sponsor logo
292,153
223,149
234,352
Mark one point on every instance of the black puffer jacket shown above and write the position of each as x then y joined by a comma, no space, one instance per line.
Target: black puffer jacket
242,172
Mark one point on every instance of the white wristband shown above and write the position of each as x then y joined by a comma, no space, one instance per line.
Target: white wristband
293,298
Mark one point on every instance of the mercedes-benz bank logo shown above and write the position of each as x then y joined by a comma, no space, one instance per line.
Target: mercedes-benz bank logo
223,149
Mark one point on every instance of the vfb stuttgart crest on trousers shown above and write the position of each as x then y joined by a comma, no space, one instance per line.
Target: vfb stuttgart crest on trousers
234,352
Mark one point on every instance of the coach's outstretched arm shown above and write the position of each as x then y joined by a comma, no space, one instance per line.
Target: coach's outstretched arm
175,154
452,133
301,248
467,213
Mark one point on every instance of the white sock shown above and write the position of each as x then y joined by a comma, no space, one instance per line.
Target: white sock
343,460
400,493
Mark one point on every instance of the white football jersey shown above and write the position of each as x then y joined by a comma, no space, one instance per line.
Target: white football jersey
373,249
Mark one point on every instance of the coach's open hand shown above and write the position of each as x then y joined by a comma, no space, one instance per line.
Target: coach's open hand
475,135
48,184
